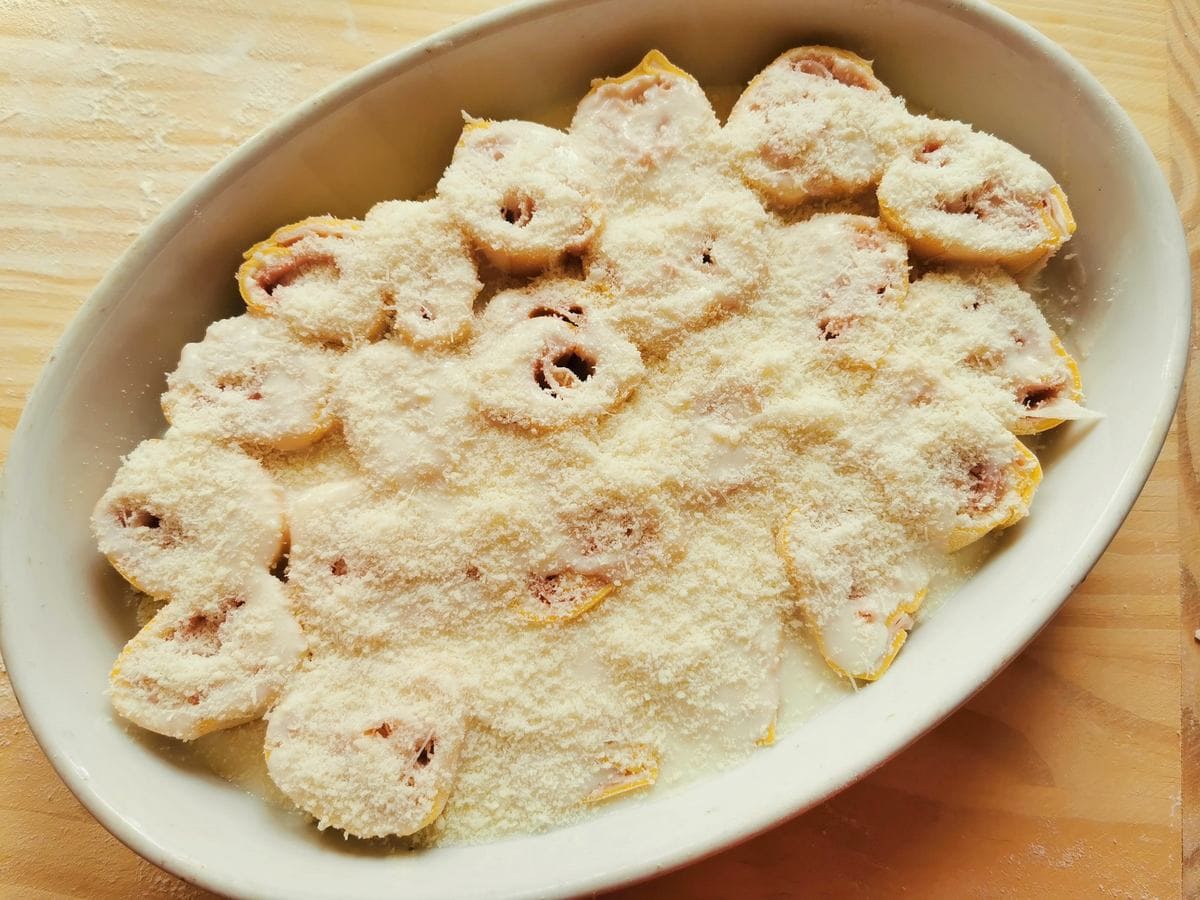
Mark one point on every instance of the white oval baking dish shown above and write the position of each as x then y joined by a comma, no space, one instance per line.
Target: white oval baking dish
387,131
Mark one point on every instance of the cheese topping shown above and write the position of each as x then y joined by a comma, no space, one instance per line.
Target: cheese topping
601,467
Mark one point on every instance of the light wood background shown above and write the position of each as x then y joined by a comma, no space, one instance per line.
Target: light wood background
1065,777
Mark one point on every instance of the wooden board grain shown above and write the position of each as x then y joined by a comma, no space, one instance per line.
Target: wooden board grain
1063,777
1184,171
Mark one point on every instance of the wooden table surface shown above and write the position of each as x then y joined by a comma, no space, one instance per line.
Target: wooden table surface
1075,773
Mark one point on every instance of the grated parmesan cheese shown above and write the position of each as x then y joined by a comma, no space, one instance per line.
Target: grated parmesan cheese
613,470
